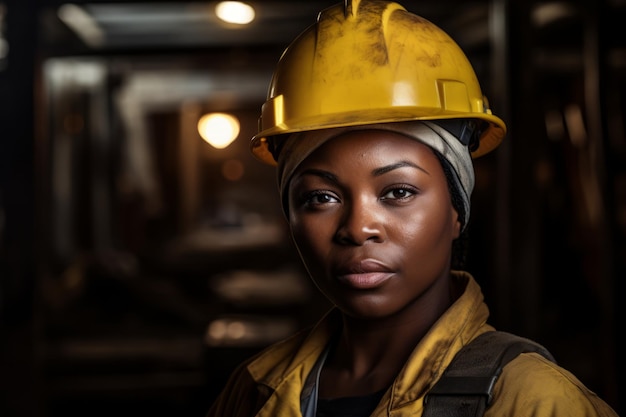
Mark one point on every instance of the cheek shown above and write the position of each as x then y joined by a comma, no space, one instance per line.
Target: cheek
429,230
308,236
312,250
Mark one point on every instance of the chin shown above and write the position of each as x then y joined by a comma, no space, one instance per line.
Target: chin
367,308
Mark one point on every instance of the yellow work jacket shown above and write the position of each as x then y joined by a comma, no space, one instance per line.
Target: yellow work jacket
269,384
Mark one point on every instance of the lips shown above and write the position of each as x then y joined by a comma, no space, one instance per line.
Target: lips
364,274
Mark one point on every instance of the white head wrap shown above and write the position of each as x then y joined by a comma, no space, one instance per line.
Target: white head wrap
298,146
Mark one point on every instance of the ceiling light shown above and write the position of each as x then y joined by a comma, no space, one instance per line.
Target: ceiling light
218,129
235,12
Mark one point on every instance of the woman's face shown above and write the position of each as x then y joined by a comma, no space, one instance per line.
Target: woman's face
371,215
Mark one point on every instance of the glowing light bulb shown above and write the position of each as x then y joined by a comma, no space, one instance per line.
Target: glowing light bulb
235,12
218,129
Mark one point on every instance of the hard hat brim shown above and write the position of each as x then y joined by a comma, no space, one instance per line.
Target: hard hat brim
489,140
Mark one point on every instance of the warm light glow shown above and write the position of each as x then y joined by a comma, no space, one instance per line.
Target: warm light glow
218,129
236,330
235,12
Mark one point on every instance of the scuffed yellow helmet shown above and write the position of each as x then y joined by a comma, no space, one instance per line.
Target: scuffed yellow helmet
372,61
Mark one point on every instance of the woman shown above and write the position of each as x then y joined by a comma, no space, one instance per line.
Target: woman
373,117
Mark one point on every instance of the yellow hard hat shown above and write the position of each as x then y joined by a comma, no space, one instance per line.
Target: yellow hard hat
366,62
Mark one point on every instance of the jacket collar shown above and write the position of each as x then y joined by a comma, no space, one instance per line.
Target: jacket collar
462,322
283,367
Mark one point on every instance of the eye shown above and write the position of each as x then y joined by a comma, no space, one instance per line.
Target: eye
318,198
402,192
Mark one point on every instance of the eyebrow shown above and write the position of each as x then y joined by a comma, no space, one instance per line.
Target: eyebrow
401,164
319,173
375,172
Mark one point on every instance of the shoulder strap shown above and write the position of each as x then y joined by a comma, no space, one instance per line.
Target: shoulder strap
465,389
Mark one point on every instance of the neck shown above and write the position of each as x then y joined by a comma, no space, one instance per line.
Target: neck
371,351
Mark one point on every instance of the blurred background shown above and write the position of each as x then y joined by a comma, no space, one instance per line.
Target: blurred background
142,256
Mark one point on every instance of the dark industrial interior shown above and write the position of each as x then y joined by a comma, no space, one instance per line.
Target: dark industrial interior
139,264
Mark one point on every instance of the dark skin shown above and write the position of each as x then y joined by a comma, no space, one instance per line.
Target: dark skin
372,217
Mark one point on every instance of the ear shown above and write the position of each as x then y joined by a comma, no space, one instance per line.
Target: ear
456,224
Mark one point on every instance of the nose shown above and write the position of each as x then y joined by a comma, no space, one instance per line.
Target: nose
360,222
